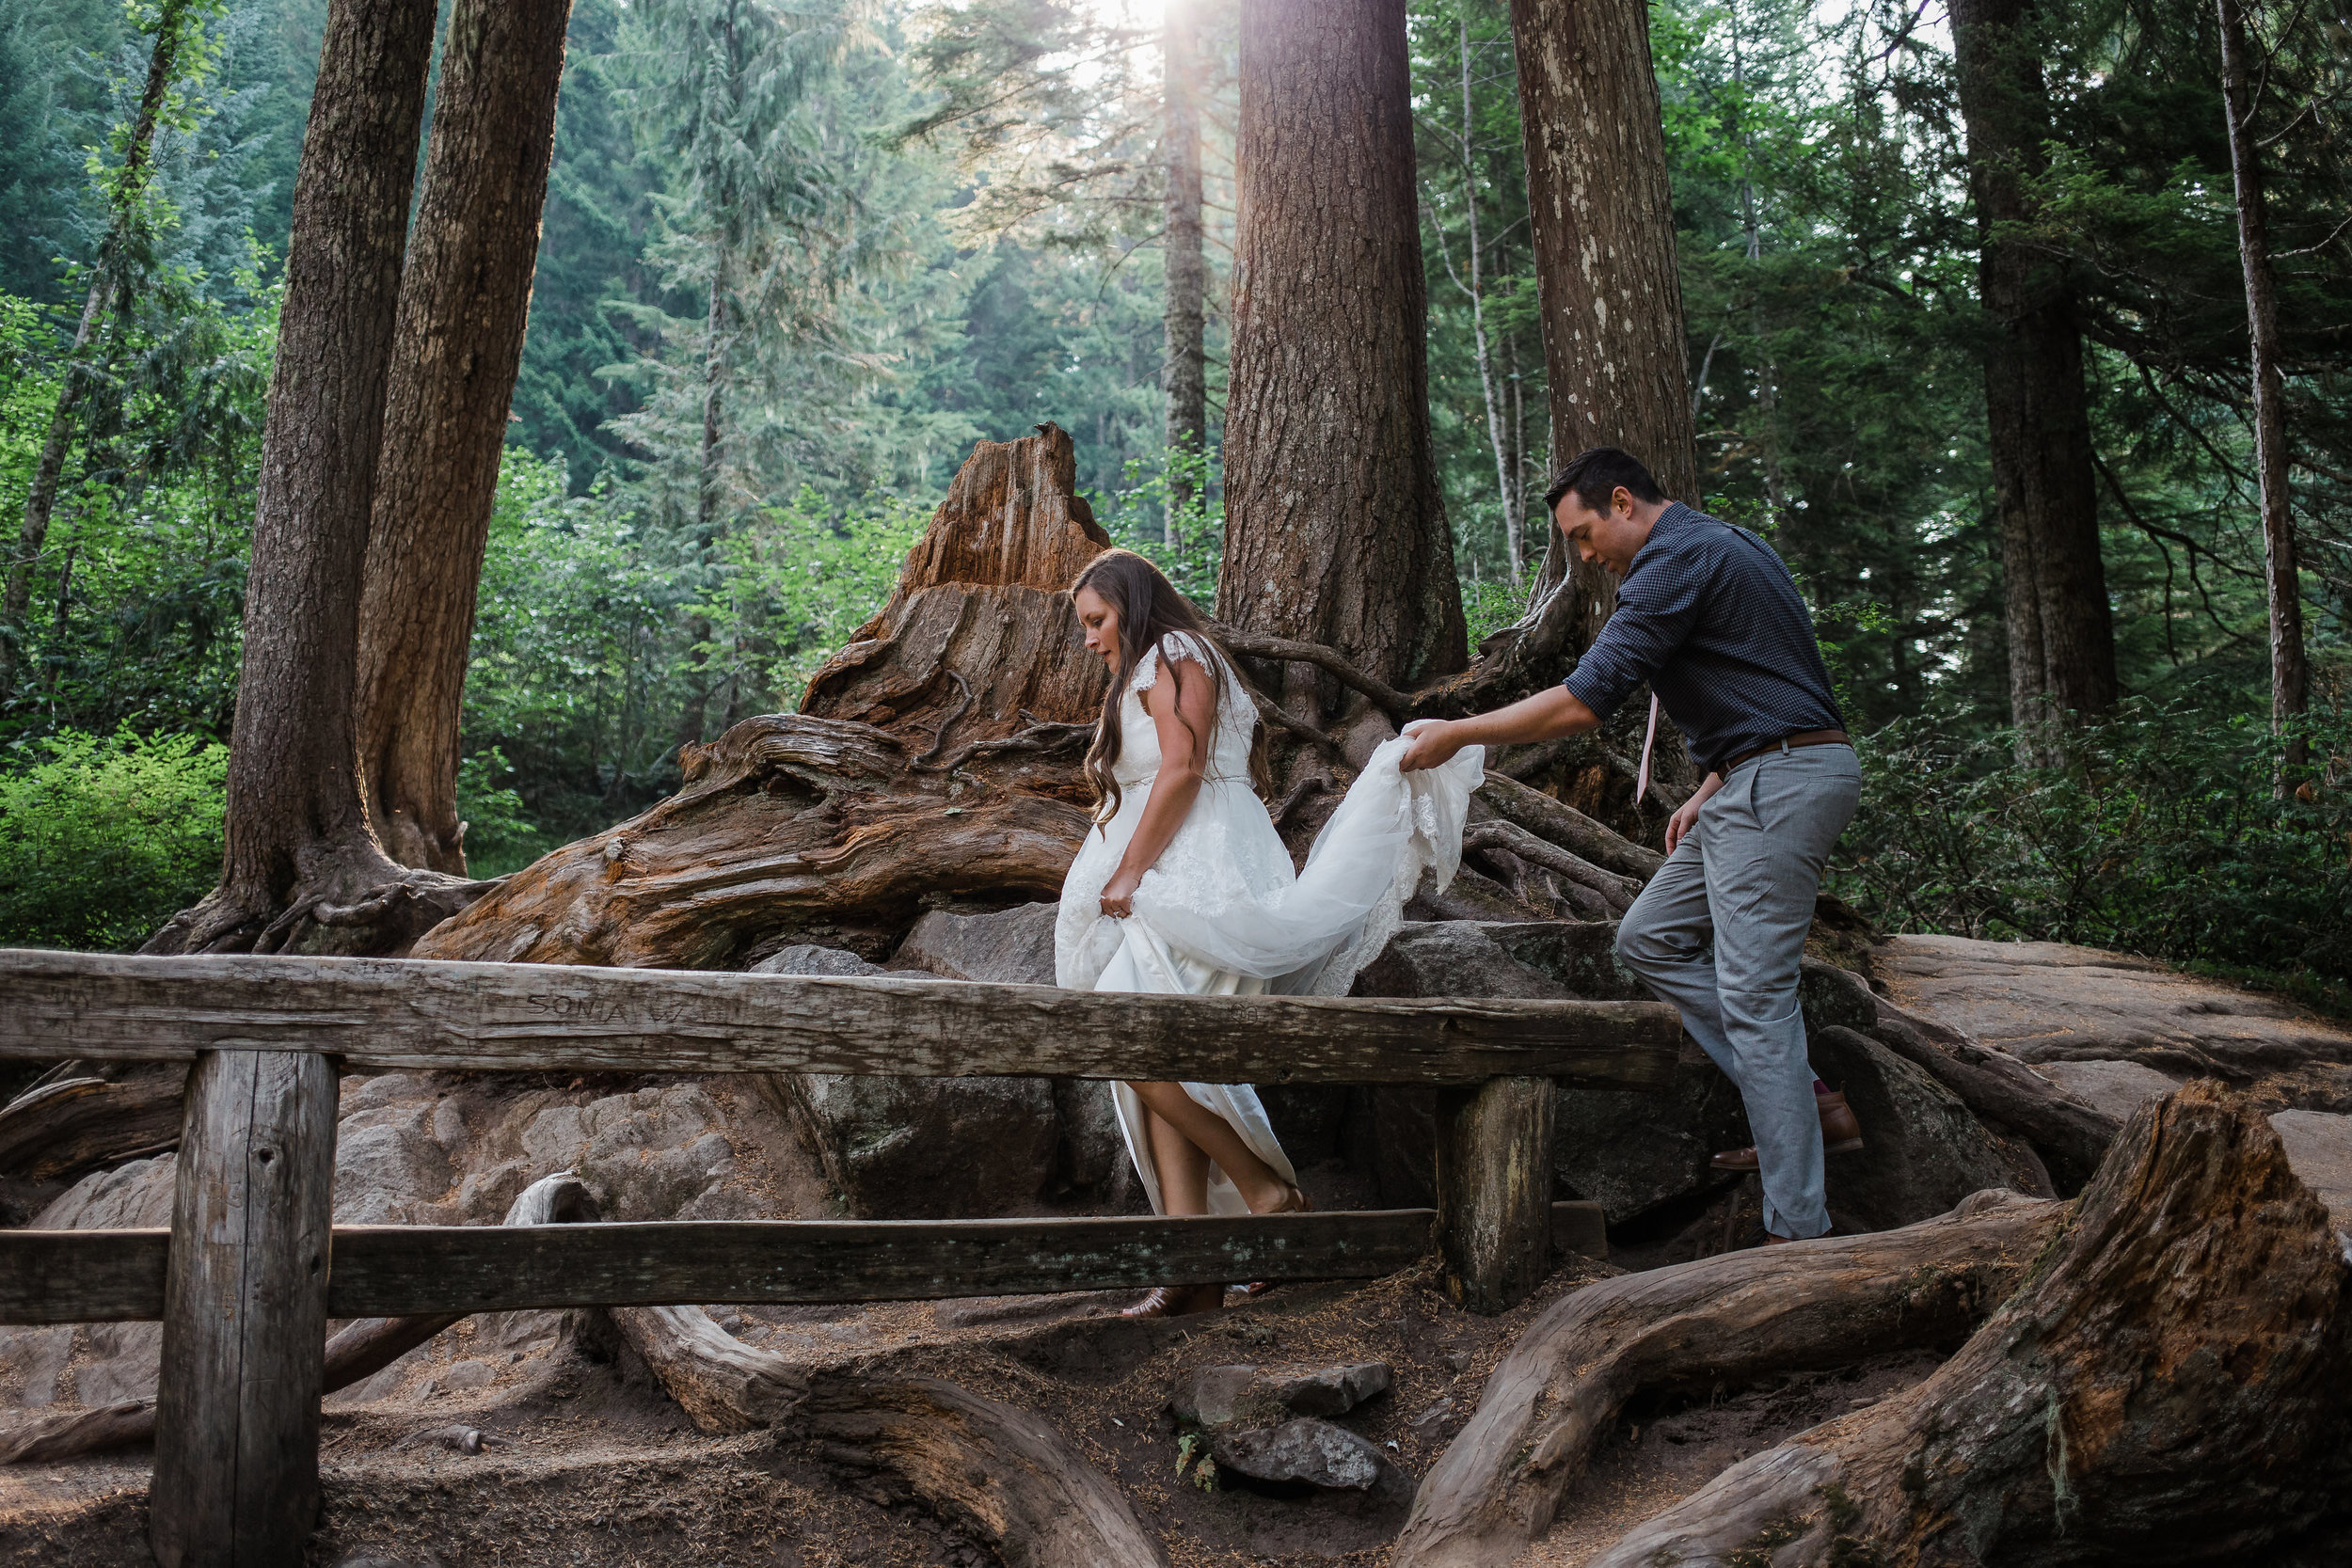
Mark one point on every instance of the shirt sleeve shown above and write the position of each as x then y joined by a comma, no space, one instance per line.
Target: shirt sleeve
1656,611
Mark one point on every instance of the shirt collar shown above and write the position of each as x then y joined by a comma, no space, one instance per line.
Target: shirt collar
1671,522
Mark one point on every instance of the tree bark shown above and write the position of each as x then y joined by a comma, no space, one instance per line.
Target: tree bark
1605,275
172,24
464,300
2061,639
2290,677
1183,375
1335,531
296,817
2169,1386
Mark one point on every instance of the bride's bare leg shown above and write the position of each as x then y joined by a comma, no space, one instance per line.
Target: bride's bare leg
1183,1170
1212,1135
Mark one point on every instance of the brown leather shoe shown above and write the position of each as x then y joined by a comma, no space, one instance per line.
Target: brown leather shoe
1841,1133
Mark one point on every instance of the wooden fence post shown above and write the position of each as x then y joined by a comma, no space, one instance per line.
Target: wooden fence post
244,1313
1494,1189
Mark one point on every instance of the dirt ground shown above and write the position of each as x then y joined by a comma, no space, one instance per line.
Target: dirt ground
592,1466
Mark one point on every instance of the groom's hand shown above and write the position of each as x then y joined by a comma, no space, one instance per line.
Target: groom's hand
1428,744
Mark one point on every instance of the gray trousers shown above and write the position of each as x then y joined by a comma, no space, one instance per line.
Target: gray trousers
1743,882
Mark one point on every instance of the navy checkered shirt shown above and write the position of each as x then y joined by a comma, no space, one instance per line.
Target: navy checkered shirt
1709,616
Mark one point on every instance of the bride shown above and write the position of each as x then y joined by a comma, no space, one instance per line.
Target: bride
1183,886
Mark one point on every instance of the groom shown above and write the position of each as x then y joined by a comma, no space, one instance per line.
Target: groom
1708,615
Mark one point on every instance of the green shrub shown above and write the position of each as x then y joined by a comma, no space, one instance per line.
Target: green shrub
2164,832
103,838
500,836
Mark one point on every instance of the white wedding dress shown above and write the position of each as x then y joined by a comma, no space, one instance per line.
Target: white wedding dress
1222,915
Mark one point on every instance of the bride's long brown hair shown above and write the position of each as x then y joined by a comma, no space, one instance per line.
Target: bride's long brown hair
1149,608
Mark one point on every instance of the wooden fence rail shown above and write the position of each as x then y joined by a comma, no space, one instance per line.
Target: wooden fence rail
416,1014
250,1270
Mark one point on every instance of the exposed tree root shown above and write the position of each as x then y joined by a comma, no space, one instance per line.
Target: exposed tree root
1719,1319
90,1117
1571,830
1615,893
1009,1478
361,1350
2169,1386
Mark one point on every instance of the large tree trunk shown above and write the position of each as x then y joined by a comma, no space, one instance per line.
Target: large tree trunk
2170,1385
463,299
1184,374
1335,528
297,829
2290,677
1605,275
2061,641
1614,358
175,21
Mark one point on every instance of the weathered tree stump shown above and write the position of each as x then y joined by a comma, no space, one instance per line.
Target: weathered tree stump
2171,1386
935,754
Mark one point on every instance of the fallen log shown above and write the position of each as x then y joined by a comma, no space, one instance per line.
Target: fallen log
359,1350
1720,1319
2169,1386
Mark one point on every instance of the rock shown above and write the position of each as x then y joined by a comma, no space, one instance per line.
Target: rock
460,1377
1009,947
1627,1150
804,959
1302,1452
38,1358
1630,1150
2115,1088
928,1147
2319,1148
2048,1001
1264,1396
1922,1151
932,1148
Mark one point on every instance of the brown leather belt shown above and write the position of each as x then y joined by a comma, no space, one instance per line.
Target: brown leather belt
1789,743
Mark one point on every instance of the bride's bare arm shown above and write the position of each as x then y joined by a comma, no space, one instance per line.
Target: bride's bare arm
1180,707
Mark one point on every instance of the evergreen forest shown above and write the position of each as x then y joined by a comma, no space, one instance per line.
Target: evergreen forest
797,259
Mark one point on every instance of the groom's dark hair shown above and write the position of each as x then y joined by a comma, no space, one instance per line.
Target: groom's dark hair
1594,476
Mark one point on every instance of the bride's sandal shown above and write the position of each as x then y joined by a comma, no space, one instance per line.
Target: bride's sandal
1177,1301
1295,1201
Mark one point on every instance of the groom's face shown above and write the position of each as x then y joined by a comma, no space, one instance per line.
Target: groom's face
1609,537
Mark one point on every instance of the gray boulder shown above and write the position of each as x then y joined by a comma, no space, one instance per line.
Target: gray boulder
918,1147
1266,1396
1305,1452
2115,1088
1629,1151
1015,947
1007,947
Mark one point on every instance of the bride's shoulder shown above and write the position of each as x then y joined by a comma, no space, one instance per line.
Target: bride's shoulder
1177,646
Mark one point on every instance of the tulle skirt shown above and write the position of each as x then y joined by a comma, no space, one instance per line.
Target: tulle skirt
1222,915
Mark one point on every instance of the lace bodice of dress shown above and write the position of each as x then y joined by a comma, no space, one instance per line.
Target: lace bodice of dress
1139,737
